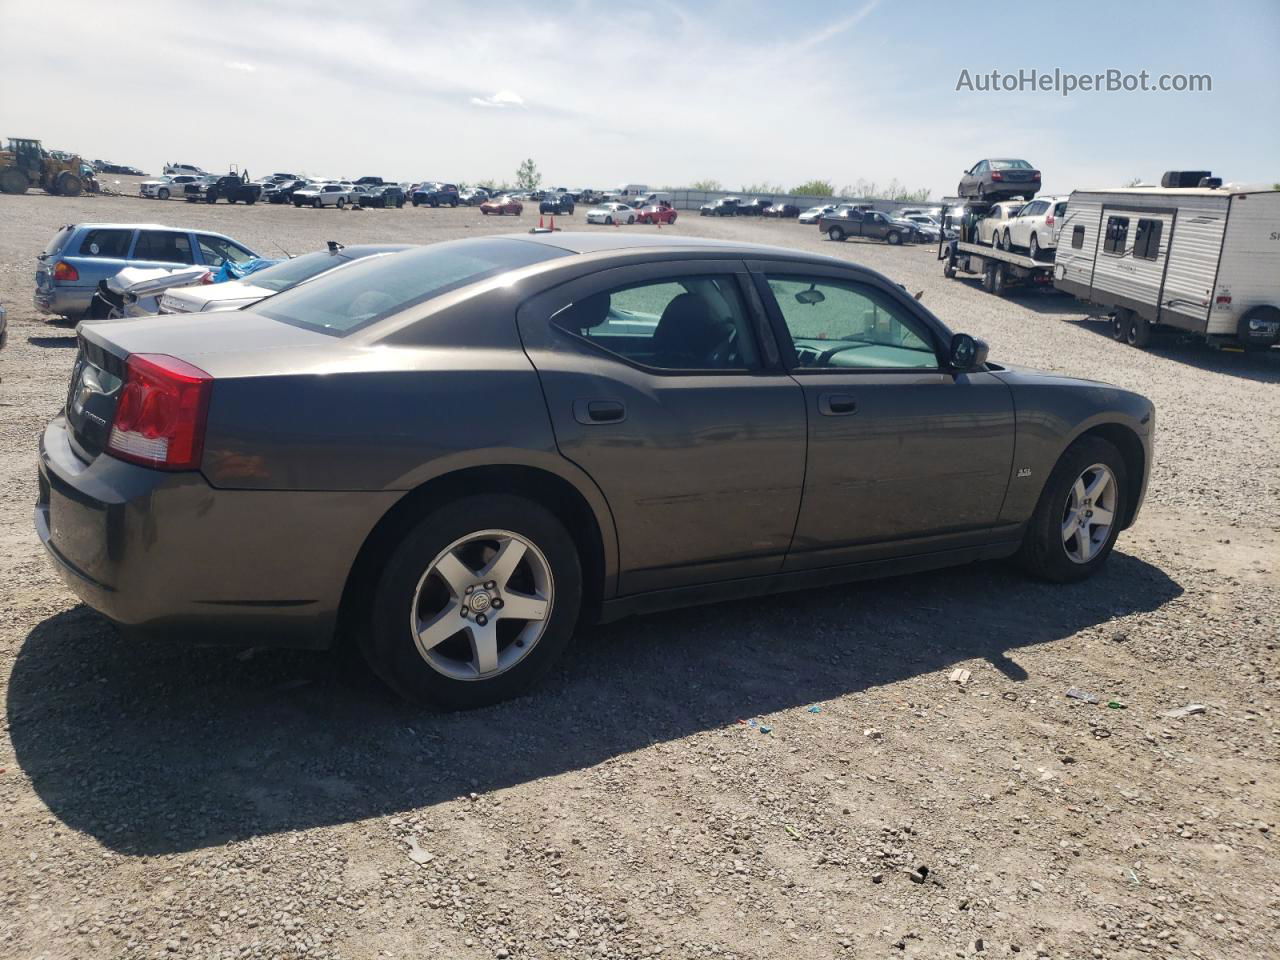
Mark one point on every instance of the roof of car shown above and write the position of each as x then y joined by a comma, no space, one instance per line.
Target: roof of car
596,242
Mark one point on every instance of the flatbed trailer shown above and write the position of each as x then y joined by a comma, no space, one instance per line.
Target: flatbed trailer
999,269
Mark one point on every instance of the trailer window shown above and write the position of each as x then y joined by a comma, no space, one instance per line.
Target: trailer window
1147,244
1117,234
1077,236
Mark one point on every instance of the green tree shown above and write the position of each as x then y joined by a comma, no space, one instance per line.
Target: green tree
706,185
814,188
527,176
763,188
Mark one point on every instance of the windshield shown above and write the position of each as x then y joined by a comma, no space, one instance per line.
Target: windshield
292,272
380,286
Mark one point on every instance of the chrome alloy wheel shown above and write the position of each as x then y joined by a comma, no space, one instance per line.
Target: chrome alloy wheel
1089,513
482,605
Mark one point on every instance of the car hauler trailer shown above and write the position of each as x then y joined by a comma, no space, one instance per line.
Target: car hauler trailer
999,269
1202,260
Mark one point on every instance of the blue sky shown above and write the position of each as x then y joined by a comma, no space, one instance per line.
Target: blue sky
661,93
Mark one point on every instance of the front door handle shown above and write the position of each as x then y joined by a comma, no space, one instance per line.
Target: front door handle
836,404
595,412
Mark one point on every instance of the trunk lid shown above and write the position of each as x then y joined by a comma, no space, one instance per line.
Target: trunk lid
228,344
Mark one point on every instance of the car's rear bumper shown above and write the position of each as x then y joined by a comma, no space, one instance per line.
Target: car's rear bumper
165,552
64,301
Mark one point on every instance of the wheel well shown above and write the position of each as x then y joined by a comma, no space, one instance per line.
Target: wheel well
1130,447
550,491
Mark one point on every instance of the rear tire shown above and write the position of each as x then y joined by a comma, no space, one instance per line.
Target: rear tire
1033,250
989,278
949,269
836,234
1139,332
409,592
1120,325
342,202
997,281
1044,552
1008,241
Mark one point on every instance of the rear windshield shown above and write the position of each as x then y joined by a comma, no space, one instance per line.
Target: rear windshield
377,287
1010,165
59,239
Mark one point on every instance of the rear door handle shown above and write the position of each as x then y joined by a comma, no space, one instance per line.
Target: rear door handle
595,412
836,404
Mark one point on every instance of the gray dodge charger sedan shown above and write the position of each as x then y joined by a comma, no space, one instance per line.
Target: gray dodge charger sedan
456,454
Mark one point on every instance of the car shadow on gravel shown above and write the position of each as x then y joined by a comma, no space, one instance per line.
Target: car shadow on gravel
68,341
153,747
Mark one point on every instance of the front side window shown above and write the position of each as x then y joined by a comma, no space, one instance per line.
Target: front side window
1117,235
839,325
163,246
218,250
105,243
685,323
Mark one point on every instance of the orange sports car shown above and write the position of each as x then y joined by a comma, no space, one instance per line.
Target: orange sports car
502,205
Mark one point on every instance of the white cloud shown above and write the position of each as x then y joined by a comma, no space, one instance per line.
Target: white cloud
503,98
240,65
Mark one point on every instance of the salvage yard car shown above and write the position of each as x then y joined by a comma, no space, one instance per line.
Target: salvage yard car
814,214
993,179
321,195
556,204
235,294
80,256
166,187
230,188
611,213
1035,227
871,224
501,206
657,213
434,194
478,445
724,207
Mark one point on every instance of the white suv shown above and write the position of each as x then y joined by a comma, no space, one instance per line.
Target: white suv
322,195
1036,226
167,187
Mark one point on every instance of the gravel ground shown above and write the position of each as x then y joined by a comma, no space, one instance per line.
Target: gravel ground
756,779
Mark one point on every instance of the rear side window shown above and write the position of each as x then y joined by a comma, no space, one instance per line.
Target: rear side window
164,246
365,292
106,243
1077,236
1146,246
1117,234
686,323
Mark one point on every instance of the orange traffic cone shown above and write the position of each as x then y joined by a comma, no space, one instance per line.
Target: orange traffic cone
539,221
552,225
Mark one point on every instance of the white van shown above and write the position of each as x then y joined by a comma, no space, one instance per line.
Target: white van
173,169
629,192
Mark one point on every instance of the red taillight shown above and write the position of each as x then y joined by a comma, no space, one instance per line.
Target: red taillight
1224,299
207,277
65,272
1035,174
1048,220
997,175
161,415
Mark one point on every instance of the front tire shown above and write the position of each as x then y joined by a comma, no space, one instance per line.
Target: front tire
506,562
317,203
163,193
608,221
894,238
342,202
1078,517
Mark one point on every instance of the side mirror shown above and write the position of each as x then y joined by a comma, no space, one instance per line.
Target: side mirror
967,353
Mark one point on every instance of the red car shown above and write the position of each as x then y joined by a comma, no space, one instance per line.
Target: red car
658,213
501,205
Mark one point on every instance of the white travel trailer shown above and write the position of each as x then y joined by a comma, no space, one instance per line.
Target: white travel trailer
1205,260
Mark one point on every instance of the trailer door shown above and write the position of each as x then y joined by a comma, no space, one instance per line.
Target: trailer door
1192,264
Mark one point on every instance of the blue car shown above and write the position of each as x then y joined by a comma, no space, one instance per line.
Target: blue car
81,255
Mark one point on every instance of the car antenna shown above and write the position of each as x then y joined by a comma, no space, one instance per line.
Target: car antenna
335,246
283,250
